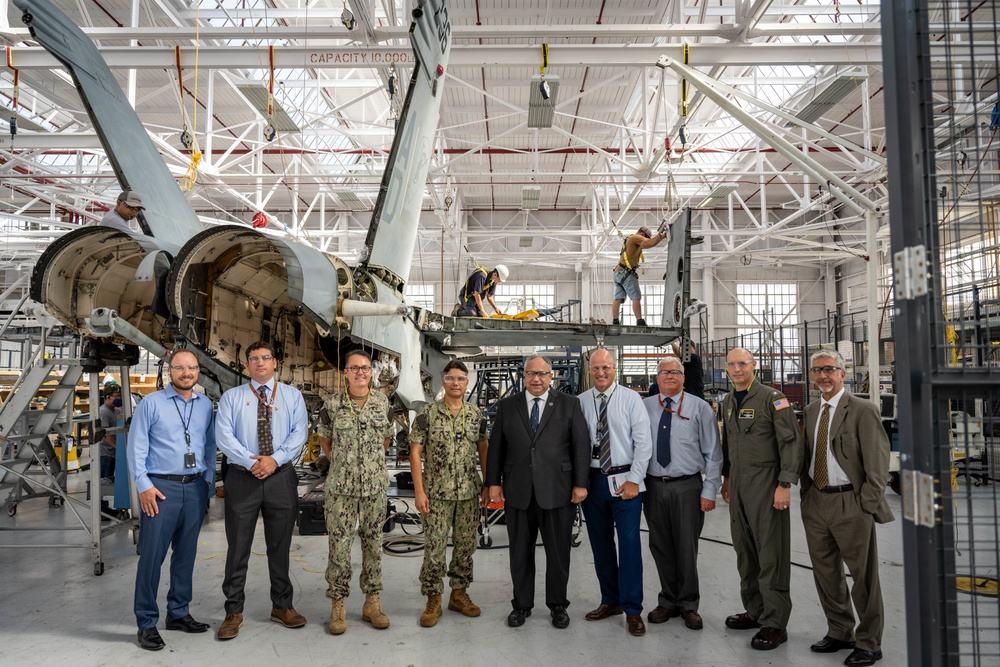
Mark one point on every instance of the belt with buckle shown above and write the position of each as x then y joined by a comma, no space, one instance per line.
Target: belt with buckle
836,489
237,466
656,478
613,471
183,479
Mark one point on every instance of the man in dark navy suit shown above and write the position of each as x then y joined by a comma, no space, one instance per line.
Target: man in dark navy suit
538,463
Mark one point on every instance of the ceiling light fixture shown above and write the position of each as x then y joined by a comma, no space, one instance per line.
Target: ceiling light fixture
542,101
717,195
836,90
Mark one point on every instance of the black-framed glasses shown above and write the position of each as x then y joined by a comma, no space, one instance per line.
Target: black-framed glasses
816,370
359,369
537,374
673,372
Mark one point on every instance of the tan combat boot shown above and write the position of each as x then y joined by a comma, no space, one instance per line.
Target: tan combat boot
372,612
338,618
432,613
460,602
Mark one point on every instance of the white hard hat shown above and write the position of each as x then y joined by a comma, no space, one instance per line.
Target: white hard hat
502,272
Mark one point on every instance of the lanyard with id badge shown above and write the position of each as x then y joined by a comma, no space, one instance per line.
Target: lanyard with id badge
189,460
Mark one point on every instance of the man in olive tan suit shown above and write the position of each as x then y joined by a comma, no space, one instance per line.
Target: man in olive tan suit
843,496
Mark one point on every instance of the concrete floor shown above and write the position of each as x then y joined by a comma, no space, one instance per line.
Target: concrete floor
54,610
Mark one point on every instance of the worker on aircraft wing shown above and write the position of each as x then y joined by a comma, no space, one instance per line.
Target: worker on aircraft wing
481,283
626,278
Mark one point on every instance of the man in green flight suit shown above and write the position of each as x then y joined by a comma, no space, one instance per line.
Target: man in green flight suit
354,432
762,453
450,434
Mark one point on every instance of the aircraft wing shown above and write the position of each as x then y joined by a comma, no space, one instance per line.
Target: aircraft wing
133,156
393,231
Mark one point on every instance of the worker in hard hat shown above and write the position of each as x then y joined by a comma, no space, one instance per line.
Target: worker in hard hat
626,278
481,283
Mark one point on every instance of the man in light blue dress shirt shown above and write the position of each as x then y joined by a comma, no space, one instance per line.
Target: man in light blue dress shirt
262,433
685,435
171,457
617,422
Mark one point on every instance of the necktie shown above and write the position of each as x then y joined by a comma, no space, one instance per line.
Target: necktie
663,437
533,419
264,437
820,475
603,435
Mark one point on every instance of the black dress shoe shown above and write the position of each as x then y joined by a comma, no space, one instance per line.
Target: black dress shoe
830,645
661,615
187,624
150,639
741,621
860,657
560,619
768,638
515,619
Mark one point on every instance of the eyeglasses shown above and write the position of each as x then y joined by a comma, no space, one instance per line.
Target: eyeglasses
455,378
602,369
816,370
673,372
537,374
185,368
254,360
738,364
359,369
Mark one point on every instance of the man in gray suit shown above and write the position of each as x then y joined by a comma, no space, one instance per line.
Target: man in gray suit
538,463
843,496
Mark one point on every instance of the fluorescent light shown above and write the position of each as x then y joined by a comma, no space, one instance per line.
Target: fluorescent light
350,200
526,241
530,196
26,123
541,111
256,95
836,90
720,193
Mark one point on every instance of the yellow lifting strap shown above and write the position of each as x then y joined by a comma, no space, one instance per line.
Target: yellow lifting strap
642,257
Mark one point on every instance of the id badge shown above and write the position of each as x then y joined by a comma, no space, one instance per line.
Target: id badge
189,460
595,453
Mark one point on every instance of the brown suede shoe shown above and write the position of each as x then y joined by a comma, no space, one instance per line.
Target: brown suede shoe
692,620
288,617
230,627
768,638
602,612
636,627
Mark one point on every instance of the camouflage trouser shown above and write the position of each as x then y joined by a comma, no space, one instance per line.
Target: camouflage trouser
343,514
461,517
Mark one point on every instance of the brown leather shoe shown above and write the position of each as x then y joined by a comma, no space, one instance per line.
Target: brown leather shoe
230,627
768,638
741,621
636,627
602,612
692,620
288,617
661,615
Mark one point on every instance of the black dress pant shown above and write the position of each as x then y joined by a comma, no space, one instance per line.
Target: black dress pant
556,527
276,499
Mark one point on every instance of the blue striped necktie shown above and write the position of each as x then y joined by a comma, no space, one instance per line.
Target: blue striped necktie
534,415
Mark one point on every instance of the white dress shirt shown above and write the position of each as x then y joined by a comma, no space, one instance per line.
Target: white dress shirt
541,403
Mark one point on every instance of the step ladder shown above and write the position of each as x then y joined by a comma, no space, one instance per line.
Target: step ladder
29,464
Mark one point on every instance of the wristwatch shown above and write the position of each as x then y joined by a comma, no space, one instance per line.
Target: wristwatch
784,485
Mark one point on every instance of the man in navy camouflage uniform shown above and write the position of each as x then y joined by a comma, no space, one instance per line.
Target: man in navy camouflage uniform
450,434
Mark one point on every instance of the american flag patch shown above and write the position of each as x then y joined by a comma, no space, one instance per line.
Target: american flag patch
781,404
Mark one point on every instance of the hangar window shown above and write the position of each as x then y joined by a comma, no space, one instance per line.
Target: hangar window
421,294
766,317
513,298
